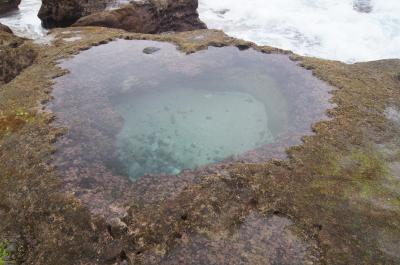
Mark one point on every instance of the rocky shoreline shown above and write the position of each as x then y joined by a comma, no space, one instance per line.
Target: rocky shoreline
15,54
333,200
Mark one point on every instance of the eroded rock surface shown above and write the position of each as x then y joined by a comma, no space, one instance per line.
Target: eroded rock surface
15,54
151,16
7,5
54,13
4,28
335,200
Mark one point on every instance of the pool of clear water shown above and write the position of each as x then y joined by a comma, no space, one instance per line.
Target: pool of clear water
161,112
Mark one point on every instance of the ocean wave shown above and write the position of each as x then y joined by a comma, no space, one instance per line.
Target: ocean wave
345,30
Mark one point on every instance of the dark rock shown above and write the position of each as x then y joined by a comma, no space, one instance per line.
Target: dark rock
7,5
5,28
151,50
150,16
243,47
221,11
15,55
117,228
362,6
62,13
153,16
12,248
113,251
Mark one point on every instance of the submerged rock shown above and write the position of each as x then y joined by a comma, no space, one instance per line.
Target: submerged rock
150,50
7,5
362,6
151,16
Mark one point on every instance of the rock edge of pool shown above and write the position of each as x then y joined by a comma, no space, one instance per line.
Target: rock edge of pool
311,208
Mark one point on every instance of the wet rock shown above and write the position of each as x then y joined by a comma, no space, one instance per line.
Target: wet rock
151,50
113,251
15,54
221,11
153,16
61,13
363,6
117,228
12,248
4,28
7,5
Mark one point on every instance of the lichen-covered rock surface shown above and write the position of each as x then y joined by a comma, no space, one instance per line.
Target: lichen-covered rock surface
335,200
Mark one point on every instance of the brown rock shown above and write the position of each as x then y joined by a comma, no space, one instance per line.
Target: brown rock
4,28
7,5
151,16
15,54
62,13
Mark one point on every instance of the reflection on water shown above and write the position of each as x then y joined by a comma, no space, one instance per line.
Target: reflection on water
24,21
141,113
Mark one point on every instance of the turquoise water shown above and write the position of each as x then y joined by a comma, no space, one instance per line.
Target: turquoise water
186,127
142,107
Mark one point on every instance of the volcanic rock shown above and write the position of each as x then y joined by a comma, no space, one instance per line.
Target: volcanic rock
61,13
4,28
7,5
151,16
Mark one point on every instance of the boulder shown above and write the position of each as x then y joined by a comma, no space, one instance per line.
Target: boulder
7,5
62,13
4,28
151,16
15,54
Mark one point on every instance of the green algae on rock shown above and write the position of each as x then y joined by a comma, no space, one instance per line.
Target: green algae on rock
339,188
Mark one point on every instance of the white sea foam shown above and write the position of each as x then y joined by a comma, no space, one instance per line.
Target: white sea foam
24,21
330,29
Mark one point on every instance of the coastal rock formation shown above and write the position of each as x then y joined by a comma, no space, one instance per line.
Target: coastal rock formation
149,17
335,200
152,16
55,13
7,5
4,28
15,54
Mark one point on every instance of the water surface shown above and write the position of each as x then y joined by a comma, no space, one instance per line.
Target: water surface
164,112
346,30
